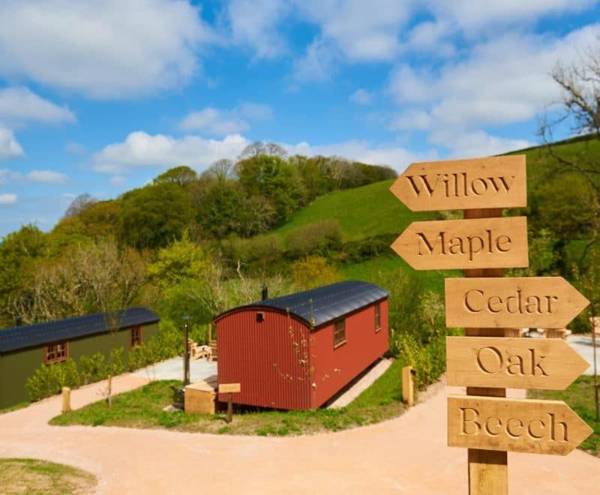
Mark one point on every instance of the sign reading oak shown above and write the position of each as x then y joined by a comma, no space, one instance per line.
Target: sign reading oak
533,426
548,364
479,243
495,182
541,302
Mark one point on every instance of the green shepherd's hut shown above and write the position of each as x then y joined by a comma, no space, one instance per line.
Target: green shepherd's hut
23,349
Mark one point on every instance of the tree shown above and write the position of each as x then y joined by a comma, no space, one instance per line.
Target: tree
311,272
180,176
258,148
154,216
221,170
79,204
275,179
90,278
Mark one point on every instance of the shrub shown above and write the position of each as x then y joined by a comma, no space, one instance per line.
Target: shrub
312,272
316,238
92,368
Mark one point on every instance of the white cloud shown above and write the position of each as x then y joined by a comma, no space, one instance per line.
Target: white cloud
318,62
141,150
487,88
9,147
475,143
361,97
19,105
8,199
224,122
117,48
46,177
361,30
254,23
471,15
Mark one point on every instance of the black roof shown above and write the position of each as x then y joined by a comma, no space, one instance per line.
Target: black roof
13,339
324,304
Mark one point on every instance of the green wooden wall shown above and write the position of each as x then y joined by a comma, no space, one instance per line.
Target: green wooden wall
16,367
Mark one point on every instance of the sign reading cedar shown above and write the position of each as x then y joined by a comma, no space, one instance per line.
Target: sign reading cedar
494,182
541,302
298,351
468,244
531,426
548,364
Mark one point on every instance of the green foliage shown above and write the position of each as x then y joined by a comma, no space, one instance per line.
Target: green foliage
319,238
311,272
275,179
154,216
180,176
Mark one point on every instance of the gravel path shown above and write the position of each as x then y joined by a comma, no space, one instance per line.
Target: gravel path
407,455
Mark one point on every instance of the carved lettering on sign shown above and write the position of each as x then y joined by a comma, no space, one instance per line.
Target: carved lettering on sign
494,182
480,243
512,362
543,427
539,302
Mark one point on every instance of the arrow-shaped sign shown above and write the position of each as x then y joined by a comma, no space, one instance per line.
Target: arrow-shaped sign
537,302
533,426
548,364
468,244
494,182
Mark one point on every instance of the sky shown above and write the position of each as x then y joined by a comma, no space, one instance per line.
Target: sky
100,97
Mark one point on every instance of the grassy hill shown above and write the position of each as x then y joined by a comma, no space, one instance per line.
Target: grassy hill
361,212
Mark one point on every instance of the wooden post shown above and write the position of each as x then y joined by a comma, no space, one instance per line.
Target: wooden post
408,386
488,469
66,399
230,408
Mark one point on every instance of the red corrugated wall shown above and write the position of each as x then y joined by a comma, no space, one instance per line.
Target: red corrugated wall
335,368
269,359
281,364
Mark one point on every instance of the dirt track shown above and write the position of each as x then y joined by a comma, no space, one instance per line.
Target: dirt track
406,455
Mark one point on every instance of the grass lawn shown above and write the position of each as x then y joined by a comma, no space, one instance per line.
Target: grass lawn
143,408
580,397
361,212
35,477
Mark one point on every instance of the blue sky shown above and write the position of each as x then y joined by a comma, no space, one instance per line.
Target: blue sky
100,97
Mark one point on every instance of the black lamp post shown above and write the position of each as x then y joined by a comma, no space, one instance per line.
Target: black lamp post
186,351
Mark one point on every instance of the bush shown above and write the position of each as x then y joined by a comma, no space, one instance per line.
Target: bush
312,272
319,238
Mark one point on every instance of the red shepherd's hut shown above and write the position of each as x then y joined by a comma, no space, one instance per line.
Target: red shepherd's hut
298,351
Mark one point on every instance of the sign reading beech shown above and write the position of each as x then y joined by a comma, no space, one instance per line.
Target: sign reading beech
495,182
480,243
534,426
548,364
541,302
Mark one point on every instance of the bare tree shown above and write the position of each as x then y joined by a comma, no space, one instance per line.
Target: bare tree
260,148
79,204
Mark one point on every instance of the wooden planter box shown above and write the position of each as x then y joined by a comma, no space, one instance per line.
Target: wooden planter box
200,398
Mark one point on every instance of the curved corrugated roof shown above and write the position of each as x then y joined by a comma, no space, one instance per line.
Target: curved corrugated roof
323,304
16,338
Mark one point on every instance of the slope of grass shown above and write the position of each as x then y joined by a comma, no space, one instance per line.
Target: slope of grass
143,408
35,477
361,212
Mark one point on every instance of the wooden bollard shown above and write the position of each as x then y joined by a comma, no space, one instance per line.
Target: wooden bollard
66,399
408,385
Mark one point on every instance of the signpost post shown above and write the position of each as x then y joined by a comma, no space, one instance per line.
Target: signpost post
490,308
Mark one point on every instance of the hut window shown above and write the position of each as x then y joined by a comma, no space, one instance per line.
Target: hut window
339,333
137,337
56,353
260,317
377,317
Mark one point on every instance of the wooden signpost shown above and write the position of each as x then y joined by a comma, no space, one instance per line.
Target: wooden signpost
548,364
540,302
487,360
229,389
449,244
